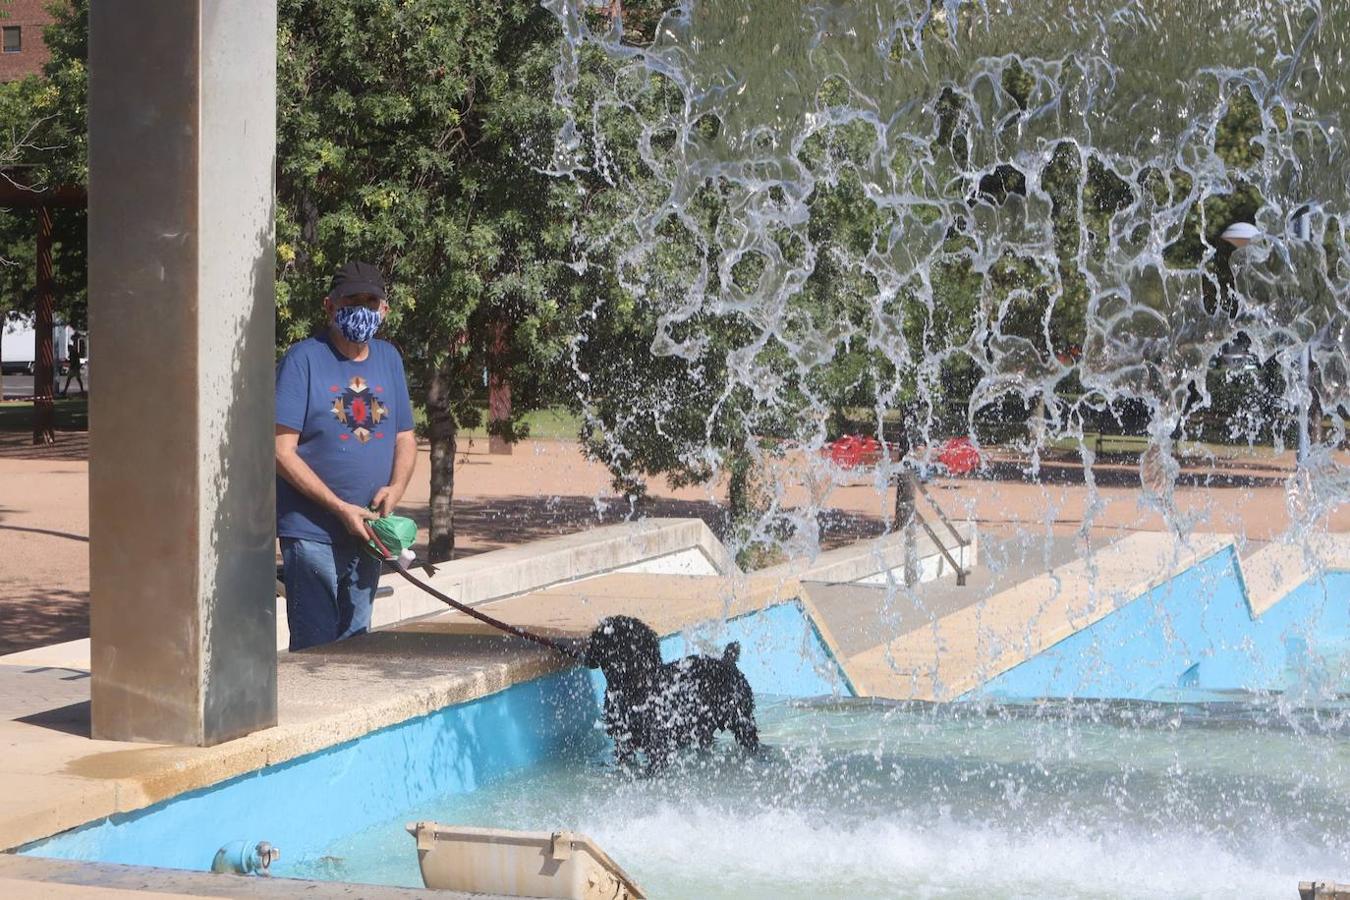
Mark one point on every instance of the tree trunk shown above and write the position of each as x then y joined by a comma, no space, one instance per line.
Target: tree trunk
44,373
499,389
1037,423
741,510
442,429
1315,411
739,503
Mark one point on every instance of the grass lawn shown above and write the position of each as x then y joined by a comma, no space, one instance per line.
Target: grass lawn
558,423
72,414
1136,444
554,424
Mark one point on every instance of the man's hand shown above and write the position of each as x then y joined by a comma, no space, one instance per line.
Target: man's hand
386,500
354,519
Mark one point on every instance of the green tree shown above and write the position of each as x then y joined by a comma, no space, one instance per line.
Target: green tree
414,134
43,134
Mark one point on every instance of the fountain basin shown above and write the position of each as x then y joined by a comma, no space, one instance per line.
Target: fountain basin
846,782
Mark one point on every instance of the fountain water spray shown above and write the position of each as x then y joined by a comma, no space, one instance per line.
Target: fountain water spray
941,212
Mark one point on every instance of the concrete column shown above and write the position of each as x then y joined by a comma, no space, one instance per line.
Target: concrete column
182,145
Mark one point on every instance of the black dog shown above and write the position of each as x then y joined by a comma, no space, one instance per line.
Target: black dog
657,708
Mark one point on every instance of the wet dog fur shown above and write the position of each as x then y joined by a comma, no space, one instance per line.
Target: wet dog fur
657,708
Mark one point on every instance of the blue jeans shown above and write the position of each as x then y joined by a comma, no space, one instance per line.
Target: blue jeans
329,589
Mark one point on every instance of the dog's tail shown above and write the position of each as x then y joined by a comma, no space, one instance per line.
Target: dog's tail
732,653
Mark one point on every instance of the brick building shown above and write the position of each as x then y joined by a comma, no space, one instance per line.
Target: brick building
22,51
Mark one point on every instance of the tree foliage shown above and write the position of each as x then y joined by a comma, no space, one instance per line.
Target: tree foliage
44,144
413,134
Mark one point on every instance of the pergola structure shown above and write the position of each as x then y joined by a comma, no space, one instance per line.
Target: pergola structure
182,149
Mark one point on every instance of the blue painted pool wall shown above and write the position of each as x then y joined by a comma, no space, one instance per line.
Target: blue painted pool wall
782,653
307,804
1193,638
314,800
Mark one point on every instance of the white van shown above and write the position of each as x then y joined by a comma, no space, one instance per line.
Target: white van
18,346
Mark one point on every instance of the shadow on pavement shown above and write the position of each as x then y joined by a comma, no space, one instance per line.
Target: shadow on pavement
70,445
493,523
50,617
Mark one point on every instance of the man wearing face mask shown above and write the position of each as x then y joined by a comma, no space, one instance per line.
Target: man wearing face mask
345,451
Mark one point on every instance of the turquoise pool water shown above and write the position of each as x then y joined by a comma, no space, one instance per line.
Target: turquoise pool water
858,799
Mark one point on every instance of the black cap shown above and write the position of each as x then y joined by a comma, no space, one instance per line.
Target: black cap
357,278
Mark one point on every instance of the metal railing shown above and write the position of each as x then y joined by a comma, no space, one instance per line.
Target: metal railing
961,541
951,560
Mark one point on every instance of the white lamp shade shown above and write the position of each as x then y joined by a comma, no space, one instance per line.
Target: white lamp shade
1240,234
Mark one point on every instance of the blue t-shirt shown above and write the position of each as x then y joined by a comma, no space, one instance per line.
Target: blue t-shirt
347,413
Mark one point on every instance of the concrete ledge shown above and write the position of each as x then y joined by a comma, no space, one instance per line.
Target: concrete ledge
866,560
668,603
1273,572
66,655
542,564
57,778
64,802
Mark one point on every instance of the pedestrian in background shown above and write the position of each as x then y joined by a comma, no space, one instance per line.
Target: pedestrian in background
74,365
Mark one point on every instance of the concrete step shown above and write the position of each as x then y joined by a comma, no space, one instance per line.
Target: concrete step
856,617
965,648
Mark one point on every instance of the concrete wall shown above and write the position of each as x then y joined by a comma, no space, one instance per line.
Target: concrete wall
870,561
632,546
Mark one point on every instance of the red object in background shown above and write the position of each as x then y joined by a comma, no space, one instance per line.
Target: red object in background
959,456
853,450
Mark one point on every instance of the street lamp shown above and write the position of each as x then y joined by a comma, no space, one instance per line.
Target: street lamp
1240,234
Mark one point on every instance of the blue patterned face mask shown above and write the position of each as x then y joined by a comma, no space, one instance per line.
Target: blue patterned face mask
358,324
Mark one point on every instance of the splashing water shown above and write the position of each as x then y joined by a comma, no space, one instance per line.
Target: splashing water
933,210
866,800
995,218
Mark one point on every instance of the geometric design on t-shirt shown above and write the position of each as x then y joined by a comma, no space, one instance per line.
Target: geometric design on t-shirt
359,409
